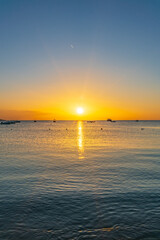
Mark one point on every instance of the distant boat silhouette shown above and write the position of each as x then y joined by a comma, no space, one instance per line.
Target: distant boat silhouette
90,121
110,120
35,121
137,120
8,122
54,120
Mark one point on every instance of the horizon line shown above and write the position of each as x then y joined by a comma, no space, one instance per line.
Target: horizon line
78,120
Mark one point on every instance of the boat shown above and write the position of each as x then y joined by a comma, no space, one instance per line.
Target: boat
8,122
54,120
90,121
110,120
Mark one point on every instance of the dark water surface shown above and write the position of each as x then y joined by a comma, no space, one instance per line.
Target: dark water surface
80,183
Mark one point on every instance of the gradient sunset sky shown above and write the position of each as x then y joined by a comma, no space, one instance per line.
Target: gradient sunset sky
102,55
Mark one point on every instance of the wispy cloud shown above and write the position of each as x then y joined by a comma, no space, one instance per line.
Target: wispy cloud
72,46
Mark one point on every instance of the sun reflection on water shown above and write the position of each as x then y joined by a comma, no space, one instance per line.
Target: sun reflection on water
80,139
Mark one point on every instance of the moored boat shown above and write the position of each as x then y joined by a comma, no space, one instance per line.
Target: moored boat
8,122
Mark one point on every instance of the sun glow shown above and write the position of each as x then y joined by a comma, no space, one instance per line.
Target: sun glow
80,110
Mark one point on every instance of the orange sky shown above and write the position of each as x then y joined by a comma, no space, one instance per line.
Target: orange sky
102,95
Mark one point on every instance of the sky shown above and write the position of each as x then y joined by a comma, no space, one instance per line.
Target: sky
101,55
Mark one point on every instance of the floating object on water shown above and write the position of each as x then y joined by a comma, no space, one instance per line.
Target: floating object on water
90,121
142,128
54,120
8,122
35,121
110,120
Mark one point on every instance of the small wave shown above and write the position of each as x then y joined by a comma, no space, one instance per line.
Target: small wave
104,229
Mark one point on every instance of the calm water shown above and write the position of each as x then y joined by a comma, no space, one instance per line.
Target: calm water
80,183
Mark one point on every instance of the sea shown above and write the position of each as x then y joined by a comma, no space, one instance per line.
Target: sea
80,180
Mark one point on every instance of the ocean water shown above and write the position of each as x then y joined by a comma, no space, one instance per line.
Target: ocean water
79,180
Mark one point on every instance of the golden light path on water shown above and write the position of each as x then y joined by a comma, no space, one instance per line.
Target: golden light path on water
80,139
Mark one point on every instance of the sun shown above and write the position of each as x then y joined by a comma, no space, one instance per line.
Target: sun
80,110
